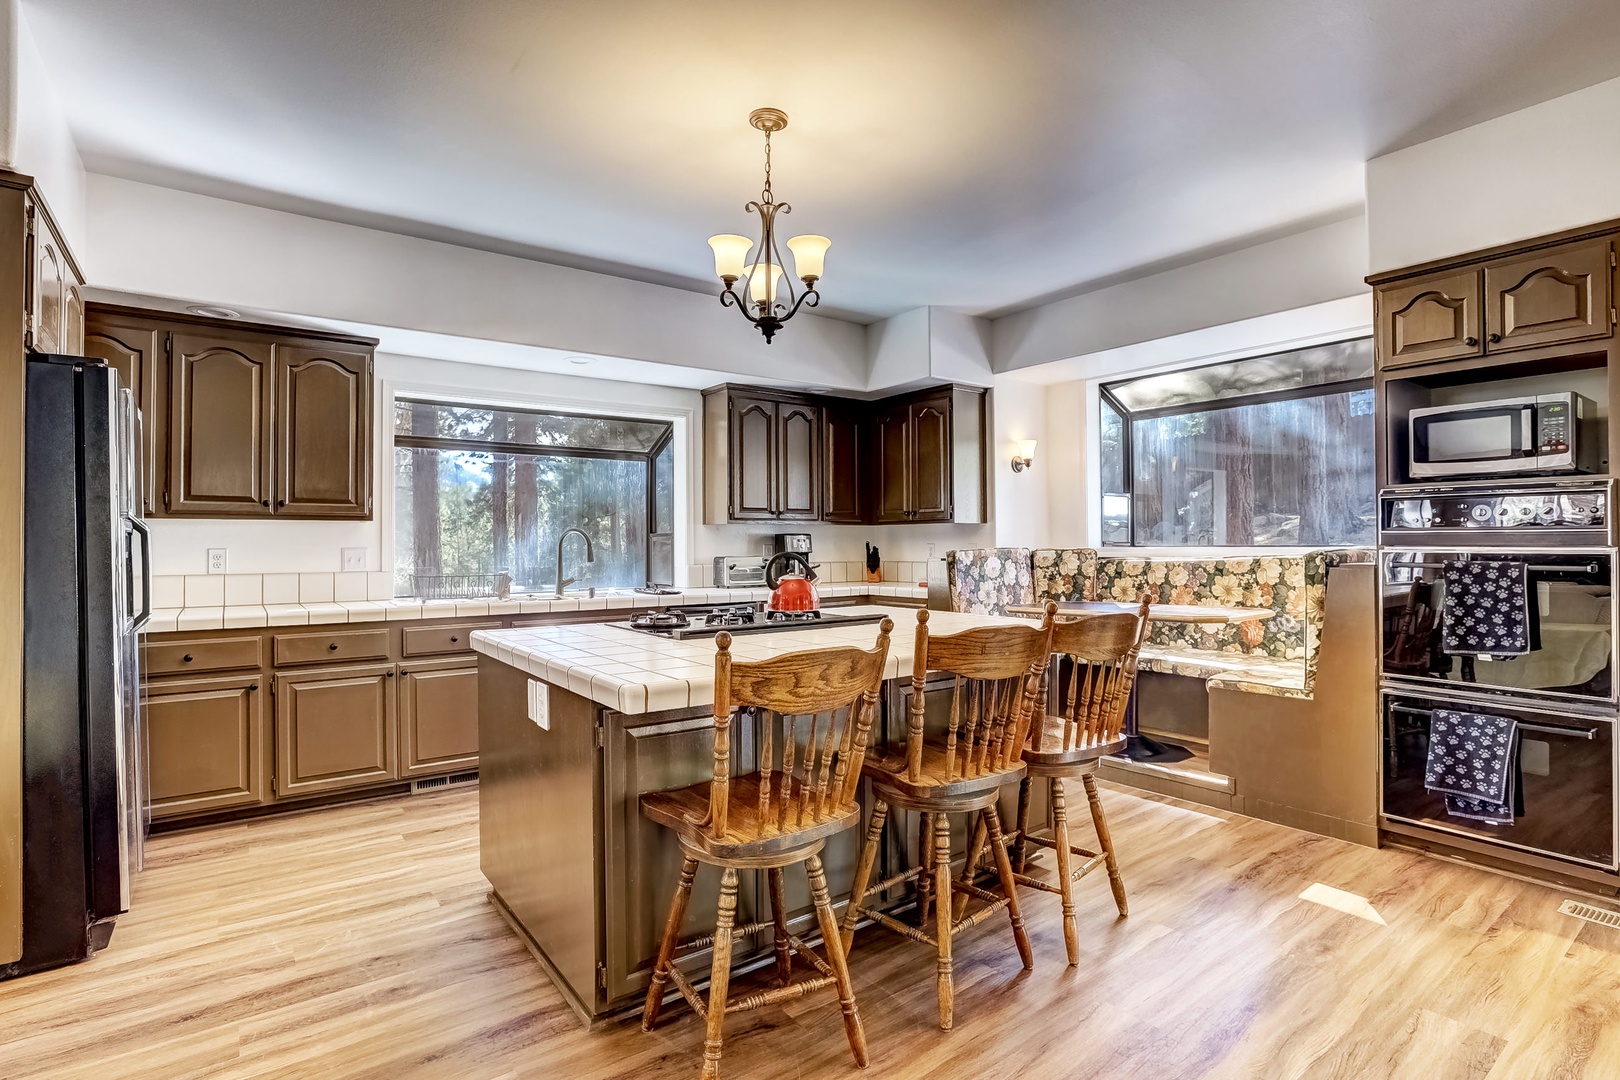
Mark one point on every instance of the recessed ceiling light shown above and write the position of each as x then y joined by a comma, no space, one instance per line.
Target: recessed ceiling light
212,312
579,359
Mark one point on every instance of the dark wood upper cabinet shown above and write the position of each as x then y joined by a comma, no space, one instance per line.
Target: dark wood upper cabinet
753,459
841,465
798,438
243,420
1433,319
931,460
134,349
1552,296
762,456
323,435
771,455
891,438
220,422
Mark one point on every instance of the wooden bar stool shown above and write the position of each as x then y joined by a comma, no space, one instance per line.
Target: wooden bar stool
998,670
770,819
1070,744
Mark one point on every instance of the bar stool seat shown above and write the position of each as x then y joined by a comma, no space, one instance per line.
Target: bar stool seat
938,777
749,833
1056,760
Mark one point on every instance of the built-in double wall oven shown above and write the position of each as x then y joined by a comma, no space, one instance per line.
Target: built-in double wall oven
1545,659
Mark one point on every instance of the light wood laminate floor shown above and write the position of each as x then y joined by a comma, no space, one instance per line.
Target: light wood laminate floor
358,942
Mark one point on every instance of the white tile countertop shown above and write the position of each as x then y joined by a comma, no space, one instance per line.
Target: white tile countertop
640,673
234,616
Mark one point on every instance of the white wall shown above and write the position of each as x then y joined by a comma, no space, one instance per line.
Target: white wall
167,243
1021,499
34,130
1307,268
1540,170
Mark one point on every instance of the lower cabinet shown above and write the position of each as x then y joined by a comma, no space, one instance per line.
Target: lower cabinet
335,729
206,744
438,716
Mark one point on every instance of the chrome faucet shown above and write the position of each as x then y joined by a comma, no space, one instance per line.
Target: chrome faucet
590,557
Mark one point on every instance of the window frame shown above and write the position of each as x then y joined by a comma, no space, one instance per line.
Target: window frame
1129,418
483,446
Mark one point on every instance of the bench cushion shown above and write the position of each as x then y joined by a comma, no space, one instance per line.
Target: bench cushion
1232,670
986,581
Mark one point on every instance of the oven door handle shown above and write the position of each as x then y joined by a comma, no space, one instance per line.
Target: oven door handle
1589,734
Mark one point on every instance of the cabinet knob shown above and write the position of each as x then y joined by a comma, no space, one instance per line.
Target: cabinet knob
1494,338
390,674
332,647
255,686
265,502
454,639
186,659
1470,341
281,502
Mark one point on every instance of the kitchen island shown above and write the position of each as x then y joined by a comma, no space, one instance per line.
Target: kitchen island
575,724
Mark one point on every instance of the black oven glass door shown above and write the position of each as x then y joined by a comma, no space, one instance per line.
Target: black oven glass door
1566,772
1570,599
1476,439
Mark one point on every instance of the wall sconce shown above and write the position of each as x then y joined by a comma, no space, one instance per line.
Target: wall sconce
1025,457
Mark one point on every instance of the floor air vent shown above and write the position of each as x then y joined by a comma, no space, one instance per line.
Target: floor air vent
434,783
1601,916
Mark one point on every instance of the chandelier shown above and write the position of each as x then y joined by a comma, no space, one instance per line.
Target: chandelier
771,301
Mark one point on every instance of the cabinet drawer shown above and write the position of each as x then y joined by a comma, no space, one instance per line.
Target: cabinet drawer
338,645
203,654
432,640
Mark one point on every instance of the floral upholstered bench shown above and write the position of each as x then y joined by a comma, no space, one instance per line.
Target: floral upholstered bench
1267,656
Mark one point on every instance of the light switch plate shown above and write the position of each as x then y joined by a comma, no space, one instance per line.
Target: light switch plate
540,704
354,558
216,560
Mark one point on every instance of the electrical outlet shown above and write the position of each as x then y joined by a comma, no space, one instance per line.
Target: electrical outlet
354,558
930,552
540,704
216,560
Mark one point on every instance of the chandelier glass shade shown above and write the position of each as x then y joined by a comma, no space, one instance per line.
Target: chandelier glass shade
770,298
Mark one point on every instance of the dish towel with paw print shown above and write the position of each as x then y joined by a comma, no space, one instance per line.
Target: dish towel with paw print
1474,763
1486,611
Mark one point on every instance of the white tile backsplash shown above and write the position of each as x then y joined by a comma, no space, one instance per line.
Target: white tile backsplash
205,590
281,588
168,591
315,588
244,589
350,585
379,585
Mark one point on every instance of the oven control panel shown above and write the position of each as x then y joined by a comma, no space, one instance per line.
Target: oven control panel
1523,510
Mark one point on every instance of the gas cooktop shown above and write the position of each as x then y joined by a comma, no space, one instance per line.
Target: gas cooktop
682,623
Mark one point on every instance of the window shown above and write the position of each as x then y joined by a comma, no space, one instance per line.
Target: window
1270,451
481,491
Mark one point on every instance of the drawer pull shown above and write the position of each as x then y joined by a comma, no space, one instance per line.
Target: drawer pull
454,639
186,658
332,647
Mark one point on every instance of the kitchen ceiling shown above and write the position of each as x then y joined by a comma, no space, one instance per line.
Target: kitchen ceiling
978,155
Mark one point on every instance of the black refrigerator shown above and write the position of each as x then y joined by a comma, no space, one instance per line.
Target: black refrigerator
86,595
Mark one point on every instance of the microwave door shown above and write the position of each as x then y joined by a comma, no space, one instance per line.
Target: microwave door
1465,441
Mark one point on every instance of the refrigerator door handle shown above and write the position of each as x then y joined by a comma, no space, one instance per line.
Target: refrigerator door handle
141,530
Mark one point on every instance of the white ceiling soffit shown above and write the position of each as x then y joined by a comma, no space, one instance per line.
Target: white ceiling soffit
973,155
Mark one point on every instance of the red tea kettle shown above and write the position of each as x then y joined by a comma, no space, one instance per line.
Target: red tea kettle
793,583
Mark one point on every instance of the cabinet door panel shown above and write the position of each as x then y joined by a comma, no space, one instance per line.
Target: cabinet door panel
753,459
219,425
893,444
1429,320
205,745
841,467
931,461
323,466
334,730
1562,294
799,482
134,348
49,299
438,718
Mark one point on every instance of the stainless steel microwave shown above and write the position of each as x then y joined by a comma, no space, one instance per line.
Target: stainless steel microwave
1539,434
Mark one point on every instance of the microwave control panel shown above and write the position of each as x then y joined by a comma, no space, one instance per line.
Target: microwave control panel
1529,510
1552,428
